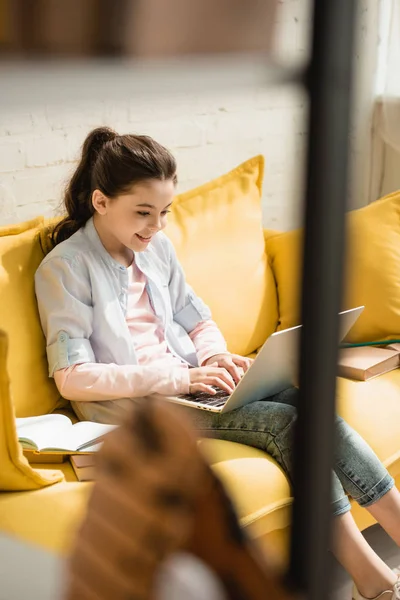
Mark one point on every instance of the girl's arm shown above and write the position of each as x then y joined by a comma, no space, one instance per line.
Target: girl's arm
208,341
65,306
96,381
64,298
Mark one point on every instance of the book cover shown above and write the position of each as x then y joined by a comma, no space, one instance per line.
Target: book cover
366,362
84,466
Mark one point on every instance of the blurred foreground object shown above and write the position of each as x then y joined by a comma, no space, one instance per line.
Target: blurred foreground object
139,28
179,27
154,496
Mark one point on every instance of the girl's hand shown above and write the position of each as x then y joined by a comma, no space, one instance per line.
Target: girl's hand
202,378
235,365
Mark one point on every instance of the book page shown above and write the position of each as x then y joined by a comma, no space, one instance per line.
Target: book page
81,434
42,431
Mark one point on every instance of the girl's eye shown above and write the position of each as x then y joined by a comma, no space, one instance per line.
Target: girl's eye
146,214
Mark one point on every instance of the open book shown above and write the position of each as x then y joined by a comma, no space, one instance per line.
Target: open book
56,433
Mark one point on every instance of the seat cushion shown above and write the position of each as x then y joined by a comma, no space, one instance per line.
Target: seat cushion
50,517
259,488
20,254
373,409
257,485
217,232
372,270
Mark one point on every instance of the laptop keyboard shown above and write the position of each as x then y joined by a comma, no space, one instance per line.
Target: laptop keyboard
218,400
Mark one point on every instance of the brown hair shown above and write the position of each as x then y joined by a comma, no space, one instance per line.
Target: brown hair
111,163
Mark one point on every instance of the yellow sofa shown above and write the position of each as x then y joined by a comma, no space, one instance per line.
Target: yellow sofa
249,278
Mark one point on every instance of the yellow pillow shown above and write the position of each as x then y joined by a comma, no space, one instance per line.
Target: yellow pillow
15,472
20,254
17,228
372,270
217,232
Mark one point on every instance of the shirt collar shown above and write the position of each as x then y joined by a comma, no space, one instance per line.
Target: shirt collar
91,233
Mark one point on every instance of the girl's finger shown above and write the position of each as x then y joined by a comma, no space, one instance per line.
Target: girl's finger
223,385
202,387
233,370
226,376
242,361
221,380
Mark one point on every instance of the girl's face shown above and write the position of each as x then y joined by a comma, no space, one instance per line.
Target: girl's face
131,220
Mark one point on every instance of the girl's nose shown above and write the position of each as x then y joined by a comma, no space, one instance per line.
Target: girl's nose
157,224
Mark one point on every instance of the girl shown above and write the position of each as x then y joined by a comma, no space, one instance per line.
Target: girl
121,323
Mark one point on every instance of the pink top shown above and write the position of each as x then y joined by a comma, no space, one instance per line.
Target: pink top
158,370
145,327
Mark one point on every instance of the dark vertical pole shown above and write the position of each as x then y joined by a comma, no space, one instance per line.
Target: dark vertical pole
329,83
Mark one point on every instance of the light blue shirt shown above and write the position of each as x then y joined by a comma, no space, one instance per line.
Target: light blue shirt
82,298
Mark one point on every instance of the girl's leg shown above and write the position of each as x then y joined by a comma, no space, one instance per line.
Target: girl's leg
387,512
369,573
268,425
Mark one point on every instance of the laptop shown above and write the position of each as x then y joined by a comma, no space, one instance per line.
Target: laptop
274,369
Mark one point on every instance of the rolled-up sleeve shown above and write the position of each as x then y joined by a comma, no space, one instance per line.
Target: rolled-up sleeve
66,312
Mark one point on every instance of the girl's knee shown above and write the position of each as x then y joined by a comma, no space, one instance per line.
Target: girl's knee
289,396
284,420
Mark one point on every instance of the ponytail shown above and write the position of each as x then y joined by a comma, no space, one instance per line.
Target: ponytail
77,196
111,163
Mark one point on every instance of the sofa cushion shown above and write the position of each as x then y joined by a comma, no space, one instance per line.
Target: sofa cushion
372,270
20,254
373,409
217,232
257,485
15,472
48,517
259,489
17,228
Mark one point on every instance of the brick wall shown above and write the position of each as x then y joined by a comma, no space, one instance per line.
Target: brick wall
209,134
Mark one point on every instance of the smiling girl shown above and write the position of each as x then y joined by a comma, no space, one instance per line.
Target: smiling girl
121,323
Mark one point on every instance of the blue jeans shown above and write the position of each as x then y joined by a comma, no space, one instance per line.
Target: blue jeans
268,425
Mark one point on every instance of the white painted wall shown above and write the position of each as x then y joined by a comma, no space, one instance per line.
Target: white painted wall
209,133
367,45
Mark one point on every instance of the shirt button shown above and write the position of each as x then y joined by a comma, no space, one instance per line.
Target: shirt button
63,337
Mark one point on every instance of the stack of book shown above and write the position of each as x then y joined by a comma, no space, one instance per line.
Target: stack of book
54,438
84,466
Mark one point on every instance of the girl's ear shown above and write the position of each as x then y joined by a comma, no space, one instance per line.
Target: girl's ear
100,202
